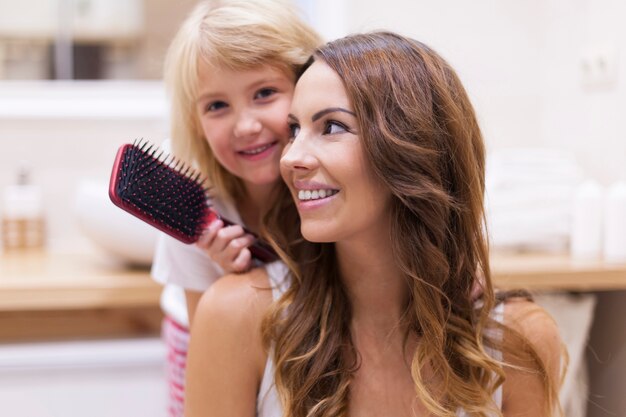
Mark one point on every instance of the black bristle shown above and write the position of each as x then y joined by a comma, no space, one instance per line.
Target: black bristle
168,193
164,192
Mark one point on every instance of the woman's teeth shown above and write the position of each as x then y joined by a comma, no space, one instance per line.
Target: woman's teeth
258,150
305,195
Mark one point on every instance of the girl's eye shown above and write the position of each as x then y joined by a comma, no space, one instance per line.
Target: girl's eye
215,106
264,93
332,127
294,129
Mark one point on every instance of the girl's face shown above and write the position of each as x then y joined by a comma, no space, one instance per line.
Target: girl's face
242,115
324,165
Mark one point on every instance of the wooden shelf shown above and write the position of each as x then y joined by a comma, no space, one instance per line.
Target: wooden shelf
48,296
111,323
77,281
546,272
64,296
83,281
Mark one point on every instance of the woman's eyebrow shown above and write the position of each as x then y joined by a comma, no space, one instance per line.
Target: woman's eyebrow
321,113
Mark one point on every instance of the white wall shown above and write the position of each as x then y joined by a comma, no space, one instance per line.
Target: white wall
70,132
521,63
493,45
590,122
587,120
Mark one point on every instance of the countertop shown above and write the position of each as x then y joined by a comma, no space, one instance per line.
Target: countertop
553,272
61,281
47,295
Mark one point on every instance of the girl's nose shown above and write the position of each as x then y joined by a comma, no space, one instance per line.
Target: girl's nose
247,124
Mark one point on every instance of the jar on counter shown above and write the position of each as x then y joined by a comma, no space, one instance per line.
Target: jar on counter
23,224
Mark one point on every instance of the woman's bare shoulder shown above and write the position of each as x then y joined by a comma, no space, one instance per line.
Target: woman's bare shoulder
237,296
226,358
235,305
523,389
533,322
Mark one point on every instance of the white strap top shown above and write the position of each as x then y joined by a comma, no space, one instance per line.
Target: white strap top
268,403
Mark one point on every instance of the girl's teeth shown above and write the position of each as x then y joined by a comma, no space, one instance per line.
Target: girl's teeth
305,195
257,150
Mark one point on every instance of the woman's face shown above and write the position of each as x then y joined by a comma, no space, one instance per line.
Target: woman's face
242,115
324,164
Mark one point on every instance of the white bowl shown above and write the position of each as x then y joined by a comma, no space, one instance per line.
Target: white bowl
111,228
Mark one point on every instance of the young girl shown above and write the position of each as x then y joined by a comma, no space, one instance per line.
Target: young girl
376,316
230,73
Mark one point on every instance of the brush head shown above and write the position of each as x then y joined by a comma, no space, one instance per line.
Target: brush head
160,191
168,195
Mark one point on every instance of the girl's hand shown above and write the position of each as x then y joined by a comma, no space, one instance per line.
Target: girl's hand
228,246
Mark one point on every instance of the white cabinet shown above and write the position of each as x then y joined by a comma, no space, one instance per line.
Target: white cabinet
76,379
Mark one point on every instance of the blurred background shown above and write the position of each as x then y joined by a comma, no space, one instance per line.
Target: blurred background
79,315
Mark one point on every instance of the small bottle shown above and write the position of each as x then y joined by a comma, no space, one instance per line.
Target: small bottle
23,225
587,220
615,224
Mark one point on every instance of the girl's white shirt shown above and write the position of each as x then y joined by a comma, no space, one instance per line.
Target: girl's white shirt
179,266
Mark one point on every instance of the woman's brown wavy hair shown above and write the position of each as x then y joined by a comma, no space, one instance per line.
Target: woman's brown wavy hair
422,140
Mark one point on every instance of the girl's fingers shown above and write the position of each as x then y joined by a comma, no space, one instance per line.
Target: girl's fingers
209,234
227,246
236,256
243,261
223,238
237,244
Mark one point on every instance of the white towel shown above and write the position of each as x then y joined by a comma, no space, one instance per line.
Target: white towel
529,193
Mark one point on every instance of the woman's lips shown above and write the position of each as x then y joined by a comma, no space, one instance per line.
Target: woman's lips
315,194
308,200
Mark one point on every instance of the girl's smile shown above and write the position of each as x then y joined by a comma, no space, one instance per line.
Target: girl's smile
242,116
259,152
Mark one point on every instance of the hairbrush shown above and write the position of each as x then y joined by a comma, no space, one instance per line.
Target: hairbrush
168,195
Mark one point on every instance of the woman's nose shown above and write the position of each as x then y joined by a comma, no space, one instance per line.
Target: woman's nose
247,124
298,155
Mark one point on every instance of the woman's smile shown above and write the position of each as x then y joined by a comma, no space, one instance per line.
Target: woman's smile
324,164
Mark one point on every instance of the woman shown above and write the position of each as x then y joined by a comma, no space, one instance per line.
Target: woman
376,316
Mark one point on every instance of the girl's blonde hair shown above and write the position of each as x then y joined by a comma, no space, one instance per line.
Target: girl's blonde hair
238,34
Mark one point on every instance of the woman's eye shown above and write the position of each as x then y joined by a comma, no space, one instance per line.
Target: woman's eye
294,129
264,93
332,127
215,106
